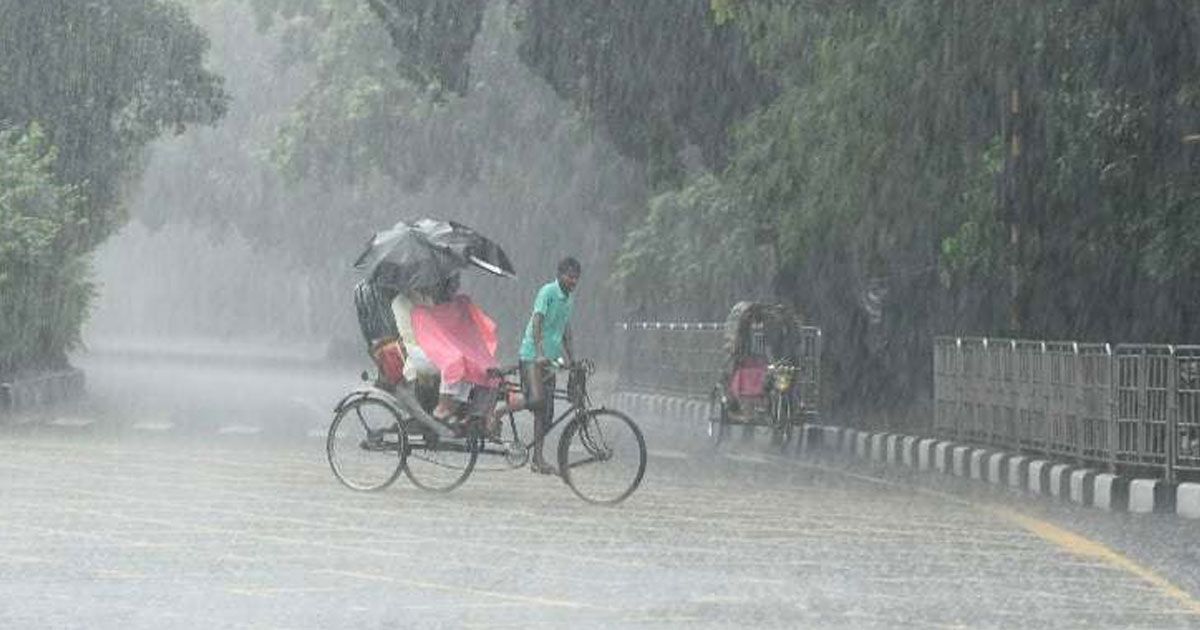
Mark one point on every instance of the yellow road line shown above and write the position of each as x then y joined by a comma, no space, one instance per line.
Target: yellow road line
1089,548
1065,539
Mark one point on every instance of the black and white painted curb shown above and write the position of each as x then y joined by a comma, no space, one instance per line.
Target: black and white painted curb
666,406
1079,485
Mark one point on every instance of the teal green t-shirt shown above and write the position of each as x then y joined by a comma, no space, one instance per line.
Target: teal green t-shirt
555,307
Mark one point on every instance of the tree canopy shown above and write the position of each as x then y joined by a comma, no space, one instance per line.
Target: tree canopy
83,88
921,167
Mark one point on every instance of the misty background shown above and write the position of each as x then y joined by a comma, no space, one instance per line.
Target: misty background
893,170
223,245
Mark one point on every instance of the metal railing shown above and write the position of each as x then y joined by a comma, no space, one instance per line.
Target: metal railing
1129,406
690,358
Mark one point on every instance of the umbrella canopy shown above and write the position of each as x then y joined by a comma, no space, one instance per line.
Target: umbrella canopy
421,254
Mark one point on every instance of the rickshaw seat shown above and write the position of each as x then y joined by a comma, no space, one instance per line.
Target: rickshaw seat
748,377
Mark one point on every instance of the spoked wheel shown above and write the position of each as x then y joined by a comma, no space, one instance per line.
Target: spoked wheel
718,418
602,456
365,445
440,464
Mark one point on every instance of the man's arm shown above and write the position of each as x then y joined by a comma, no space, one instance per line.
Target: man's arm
539,353
568,352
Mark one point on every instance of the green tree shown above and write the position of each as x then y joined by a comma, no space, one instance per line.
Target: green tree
41,278
83,88
973,167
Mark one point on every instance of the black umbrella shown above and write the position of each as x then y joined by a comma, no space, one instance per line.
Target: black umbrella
421,254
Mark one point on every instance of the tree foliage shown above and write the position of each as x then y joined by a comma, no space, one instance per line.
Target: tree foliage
658,76
434,38
100,80
103,78
693,254
964,167
41,277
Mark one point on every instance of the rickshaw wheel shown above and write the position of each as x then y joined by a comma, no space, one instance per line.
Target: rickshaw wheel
781,433
718,418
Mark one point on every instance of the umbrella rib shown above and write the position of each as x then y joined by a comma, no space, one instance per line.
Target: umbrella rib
487,266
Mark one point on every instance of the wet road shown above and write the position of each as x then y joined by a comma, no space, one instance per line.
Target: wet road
164,516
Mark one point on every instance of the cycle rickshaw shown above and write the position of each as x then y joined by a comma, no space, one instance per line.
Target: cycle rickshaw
378,433
386,426
769,378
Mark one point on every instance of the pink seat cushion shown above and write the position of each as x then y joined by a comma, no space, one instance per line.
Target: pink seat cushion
748,377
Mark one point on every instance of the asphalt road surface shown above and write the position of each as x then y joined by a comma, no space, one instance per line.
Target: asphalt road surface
197,495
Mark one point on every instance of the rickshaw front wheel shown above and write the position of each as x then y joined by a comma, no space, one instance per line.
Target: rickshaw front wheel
781,433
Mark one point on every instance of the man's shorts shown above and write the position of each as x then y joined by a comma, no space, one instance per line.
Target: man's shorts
528,376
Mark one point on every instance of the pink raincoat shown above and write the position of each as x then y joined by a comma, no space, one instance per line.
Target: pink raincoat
459,338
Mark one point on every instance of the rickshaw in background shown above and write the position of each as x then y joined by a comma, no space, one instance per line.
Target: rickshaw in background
770,374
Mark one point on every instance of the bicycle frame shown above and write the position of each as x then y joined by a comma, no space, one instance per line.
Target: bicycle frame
402,402
580,404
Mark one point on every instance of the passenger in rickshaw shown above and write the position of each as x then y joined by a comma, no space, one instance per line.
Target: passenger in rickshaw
749,377
435,340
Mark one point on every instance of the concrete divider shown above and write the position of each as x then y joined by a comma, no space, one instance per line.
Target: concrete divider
1187,500
862,444
941,459
908,451
959,455
1017,467
978,470
925,454
1036,476
878,447
849,439
1059,478
1111,492
1083,486
1141,495
997,468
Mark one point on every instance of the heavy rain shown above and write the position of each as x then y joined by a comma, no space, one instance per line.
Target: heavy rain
524,313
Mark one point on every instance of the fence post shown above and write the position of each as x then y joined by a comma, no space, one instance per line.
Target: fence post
1114,380
1076,428
1172,415
960,387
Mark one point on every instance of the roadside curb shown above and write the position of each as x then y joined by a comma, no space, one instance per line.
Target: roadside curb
31,392
672,408
1032,475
